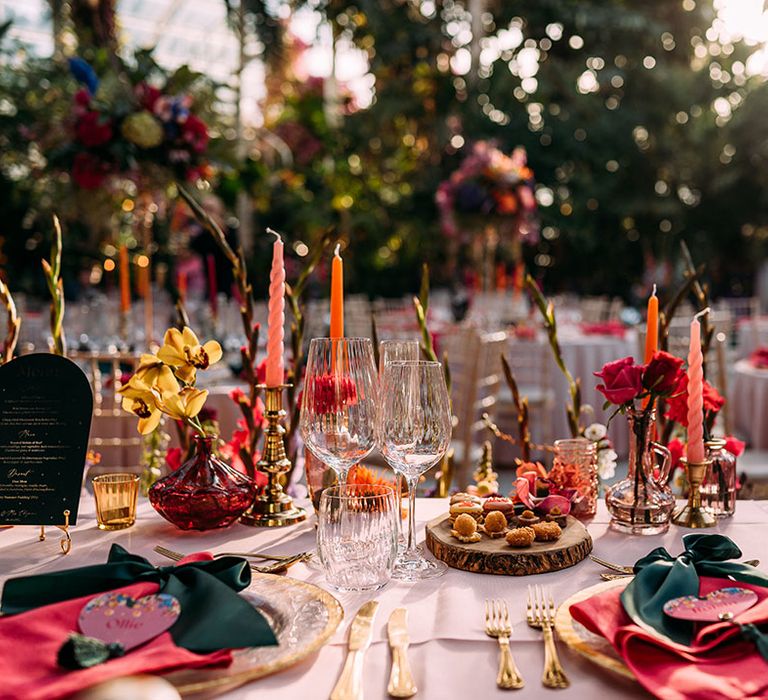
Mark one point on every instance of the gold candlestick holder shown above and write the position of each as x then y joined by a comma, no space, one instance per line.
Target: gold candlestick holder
693,514
273,507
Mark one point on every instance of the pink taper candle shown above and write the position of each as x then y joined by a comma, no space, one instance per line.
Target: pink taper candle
275,327
696,393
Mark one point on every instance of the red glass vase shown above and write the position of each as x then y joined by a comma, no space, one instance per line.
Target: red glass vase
204,493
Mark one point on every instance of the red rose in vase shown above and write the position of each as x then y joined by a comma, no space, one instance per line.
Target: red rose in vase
734,446
622,380
662,373
93,129
677,404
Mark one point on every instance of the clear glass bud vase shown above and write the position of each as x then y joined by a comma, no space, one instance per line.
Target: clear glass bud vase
642,503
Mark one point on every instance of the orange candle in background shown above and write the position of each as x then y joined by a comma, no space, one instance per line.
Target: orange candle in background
181,285
337,295
125,280
652,326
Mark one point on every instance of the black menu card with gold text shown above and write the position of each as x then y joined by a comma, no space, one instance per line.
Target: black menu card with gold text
46,404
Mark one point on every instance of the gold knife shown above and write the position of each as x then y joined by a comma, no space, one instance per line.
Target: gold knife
401,683
350,683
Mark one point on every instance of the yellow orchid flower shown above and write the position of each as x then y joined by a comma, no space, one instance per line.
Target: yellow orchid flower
183,351
142,401
152,372
186,404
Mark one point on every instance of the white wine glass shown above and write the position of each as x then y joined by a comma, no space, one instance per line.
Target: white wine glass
415,433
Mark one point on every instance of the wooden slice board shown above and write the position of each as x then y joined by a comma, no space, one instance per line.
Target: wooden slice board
495,556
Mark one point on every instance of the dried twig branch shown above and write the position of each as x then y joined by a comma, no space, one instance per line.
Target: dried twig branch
521,404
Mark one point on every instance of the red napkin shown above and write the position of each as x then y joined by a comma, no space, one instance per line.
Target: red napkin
709,669
613,328
29,643
759,358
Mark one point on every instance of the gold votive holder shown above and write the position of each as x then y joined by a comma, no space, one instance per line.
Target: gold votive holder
116,497
693,514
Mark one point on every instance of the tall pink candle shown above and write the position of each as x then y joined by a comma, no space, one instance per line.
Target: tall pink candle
696,394
275,327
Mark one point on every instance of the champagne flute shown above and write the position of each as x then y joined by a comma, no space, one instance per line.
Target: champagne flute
338,407
392,351
415,433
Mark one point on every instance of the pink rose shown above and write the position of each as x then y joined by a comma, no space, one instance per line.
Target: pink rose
622,380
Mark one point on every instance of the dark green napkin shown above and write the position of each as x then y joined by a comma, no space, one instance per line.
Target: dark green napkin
212,616
659,577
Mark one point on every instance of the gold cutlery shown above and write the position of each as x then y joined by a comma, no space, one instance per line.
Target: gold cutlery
497,625
615,577
630,571
276,568
350,683
401,683
541,615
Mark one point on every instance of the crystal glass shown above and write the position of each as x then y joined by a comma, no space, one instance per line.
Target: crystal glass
718,492
204,493
415,433
394,351
338,407
642,503
116,496
357,536
575,467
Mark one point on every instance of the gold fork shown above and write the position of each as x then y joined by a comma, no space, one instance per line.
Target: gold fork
497,625
541,615
275,568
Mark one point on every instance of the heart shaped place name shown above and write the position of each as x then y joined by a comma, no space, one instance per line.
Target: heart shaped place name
722,604
118,618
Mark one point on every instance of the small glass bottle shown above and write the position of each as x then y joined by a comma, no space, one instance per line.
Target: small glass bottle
718,490
575,466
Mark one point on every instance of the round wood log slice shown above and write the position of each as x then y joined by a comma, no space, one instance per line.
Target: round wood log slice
495,556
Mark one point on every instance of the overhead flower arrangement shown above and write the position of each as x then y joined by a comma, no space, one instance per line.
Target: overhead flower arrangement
490,183
122,125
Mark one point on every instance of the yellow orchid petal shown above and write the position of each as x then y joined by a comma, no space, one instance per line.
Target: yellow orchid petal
195,400
147,425
171,355
166,382
213,350
187,374
189,337
174,338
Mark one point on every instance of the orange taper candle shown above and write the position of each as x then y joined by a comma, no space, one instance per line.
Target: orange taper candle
652,326
337,295
125,280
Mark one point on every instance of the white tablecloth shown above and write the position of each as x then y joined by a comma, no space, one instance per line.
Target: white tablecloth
450,656
749,404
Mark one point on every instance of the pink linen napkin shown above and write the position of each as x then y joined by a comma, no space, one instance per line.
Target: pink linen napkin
613,328
30,641
709,669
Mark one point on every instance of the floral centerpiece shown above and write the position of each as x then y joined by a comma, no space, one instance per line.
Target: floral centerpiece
129,129
203,493
642,503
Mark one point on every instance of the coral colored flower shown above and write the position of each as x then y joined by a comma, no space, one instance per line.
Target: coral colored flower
238,395
93,129
676,449
622,381
662,373
331,393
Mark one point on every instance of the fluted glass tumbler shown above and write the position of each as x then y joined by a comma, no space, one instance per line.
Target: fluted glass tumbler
357,536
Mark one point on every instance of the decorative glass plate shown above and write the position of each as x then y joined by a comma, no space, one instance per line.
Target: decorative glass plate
303,616
593,647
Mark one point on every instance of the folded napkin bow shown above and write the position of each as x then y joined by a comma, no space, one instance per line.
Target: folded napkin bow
212,616
659,577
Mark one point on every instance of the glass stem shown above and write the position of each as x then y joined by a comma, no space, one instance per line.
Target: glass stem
412,482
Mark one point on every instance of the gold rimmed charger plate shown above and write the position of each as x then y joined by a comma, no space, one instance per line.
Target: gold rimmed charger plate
591,646
303,616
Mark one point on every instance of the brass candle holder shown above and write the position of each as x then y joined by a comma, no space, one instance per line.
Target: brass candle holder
693,514
273,507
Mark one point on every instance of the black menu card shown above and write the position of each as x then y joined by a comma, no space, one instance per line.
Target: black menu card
46,404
